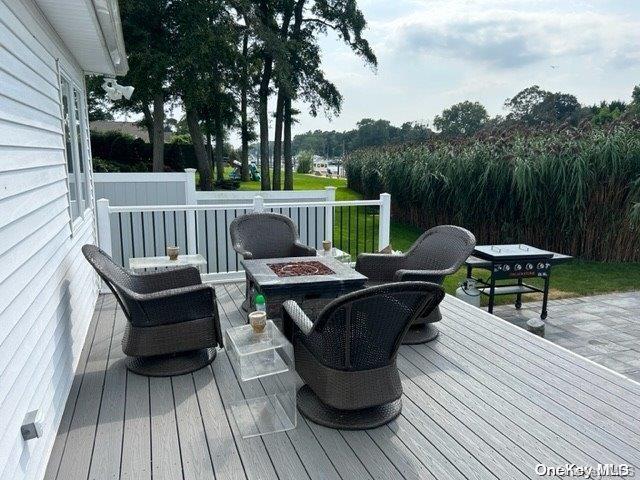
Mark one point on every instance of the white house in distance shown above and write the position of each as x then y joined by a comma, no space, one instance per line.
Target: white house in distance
47,289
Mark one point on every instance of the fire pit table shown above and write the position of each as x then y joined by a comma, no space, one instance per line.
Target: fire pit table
513,262
300,279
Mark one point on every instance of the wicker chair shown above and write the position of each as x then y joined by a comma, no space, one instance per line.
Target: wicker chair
173,324
347,355
266,235
439,252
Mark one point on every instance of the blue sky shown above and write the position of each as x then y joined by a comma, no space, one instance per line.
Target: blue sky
434,53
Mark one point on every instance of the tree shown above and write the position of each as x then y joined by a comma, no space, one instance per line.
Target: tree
145,25
607,112
97,102
636,95
261,18
249,68
204,40
291,47
462,119
534,106
306,78
634,106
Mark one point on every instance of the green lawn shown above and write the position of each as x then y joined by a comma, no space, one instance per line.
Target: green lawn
577,278
303,181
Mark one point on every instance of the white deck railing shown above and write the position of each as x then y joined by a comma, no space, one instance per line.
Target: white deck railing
145,230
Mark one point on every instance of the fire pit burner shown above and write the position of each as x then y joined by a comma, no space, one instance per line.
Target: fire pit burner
300,269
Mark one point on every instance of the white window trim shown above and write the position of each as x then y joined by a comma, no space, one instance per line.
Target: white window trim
76,223
86,146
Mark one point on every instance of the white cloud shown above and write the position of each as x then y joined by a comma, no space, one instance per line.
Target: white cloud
508,38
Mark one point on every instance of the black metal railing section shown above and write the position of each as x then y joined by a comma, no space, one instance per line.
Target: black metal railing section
355,229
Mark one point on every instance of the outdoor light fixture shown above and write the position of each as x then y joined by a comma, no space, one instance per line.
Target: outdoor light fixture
116,91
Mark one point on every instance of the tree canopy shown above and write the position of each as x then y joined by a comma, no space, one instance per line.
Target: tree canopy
464,118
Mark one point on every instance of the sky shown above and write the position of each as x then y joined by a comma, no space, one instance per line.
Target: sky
435,53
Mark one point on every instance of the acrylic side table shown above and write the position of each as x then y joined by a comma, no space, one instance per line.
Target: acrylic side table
267,358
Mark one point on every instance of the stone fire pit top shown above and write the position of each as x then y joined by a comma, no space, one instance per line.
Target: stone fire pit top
300,269
336,272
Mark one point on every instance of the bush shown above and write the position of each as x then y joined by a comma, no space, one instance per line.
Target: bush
305,162
570,191
134,155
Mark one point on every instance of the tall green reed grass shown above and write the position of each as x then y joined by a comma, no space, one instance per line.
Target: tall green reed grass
575,191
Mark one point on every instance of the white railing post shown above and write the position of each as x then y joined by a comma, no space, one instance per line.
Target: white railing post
258,204
190,199
384,225
328,222
103,221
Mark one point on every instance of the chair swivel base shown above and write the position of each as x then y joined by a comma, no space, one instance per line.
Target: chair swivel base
170,365
312,408
420,334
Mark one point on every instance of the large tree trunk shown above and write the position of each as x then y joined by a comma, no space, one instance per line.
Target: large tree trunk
244,126
148,121
263,114
209,146
158,133
277,142
219,150
204,166
288,160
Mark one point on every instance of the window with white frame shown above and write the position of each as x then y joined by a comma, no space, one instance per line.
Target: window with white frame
77,148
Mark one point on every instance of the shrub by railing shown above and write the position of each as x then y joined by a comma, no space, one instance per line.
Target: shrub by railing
570,191
123,153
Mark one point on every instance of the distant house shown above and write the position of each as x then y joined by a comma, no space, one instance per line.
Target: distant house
319,165
127,128
46,209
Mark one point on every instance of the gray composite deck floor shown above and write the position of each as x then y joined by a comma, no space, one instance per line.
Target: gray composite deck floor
485,400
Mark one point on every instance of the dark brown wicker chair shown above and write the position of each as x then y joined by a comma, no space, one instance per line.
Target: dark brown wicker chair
266,235
439,252
173,325
347,356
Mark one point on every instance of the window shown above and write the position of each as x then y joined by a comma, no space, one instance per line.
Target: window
82,141
77,148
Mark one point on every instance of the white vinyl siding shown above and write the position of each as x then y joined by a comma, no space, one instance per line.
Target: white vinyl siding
48,290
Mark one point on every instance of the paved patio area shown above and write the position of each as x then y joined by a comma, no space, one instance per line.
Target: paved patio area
603,328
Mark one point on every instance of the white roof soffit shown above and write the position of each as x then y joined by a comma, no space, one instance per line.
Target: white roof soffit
108,15
92,32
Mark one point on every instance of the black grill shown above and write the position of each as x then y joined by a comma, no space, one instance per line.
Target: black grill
513,262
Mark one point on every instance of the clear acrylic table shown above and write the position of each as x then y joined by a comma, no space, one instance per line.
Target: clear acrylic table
336,253
265,362
142,264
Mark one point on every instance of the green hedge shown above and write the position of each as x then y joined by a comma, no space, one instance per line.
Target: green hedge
134,155
569,191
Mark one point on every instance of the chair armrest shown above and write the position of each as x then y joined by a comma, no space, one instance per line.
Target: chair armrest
169,279
300,250
246,254
294,313
379,266
178,304
433,276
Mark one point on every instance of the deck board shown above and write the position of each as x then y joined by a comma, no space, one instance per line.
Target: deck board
486,400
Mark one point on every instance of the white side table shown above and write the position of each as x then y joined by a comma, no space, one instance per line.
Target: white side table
142,264
267,360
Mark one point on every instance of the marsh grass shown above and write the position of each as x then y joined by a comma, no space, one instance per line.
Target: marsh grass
572,191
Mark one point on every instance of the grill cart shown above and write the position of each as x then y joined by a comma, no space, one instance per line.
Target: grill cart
513,262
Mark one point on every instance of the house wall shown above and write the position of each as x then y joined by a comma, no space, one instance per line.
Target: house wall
47,289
